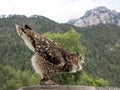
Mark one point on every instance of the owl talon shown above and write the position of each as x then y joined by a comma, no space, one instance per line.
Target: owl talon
47,82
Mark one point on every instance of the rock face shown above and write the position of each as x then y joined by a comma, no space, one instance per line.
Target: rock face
96,16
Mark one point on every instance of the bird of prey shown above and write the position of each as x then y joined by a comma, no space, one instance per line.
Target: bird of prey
49,57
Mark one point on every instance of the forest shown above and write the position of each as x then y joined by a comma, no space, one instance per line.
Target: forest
99,45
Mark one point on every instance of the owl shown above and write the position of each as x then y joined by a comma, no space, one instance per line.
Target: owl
49,57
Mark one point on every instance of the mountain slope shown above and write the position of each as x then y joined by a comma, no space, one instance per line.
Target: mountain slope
96,16
102,44
12,47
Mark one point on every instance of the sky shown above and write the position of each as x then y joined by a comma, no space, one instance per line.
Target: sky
57,10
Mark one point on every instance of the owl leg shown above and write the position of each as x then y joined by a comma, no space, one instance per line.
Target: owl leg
47,81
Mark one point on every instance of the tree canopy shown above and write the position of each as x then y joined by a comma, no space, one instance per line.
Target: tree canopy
99,45
12,79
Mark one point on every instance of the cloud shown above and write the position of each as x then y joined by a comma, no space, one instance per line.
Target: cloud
111,4
57,10
70,9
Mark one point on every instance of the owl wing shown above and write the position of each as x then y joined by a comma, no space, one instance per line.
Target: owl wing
49,50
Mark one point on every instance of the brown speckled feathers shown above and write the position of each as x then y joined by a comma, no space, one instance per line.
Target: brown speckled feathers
49,58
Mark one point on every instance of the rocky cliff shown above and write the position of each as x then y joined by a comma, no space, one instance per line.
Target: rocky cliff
96,16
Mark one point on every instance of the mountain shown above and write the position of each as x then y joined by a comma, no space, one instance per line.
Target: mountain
96,16
102,43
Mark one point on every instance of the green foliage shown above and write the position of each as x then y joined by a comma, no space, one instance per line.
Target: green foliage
11,79
102,52
100,82
80,78
100,45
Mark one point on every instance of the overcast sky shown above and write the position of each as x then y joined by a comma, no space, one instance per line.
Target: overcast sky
58,10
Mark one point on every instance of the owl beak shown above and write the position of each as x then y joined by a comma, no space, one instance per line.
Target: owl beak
20,30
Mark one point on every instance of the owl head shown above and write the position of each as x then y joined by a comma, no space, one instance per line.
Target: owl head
28,36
